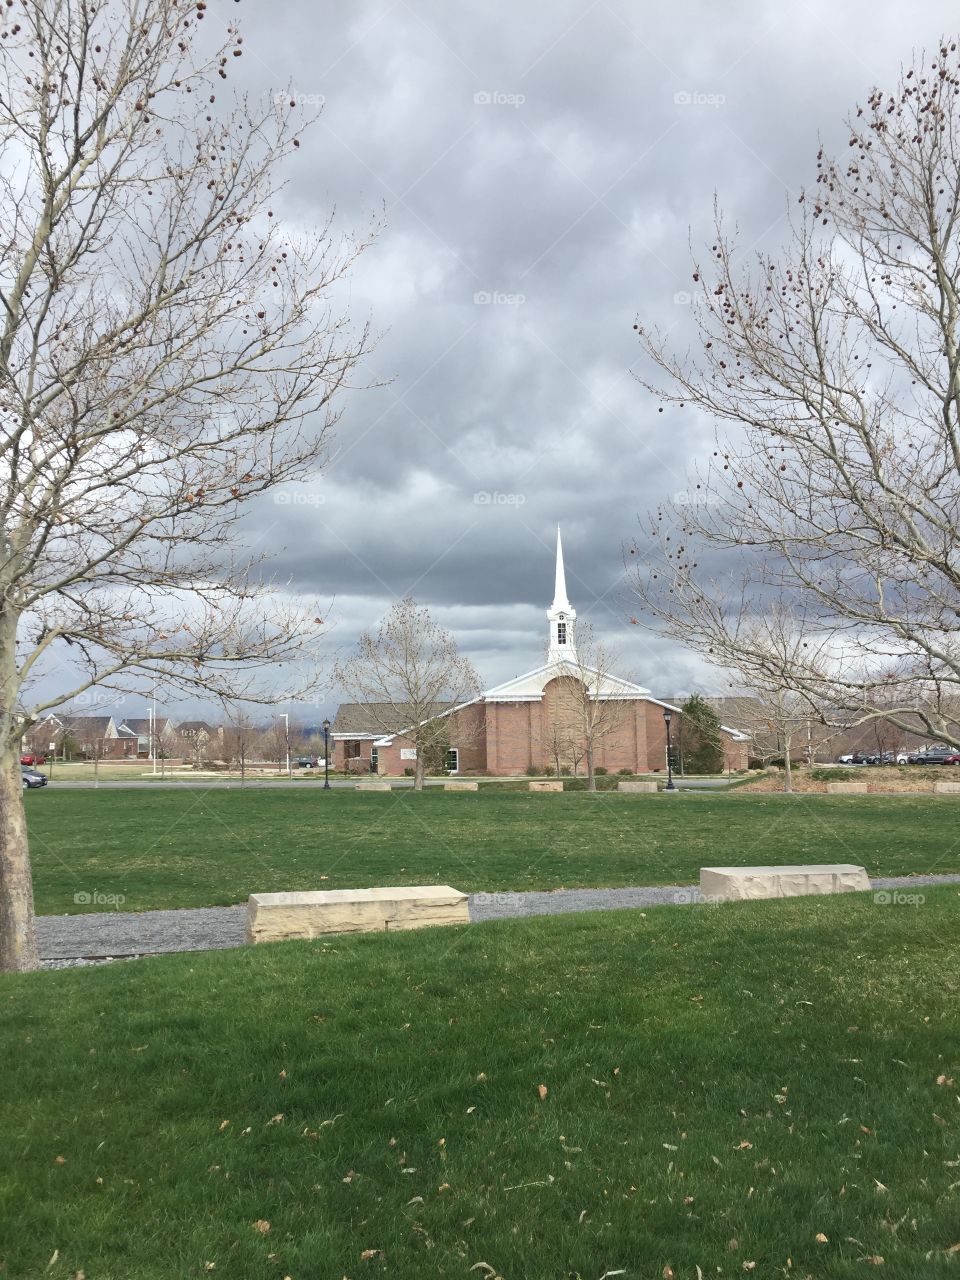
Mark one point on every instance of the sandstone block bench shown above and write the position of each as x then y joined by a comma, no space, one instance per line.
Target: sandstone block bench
846,788
735,884
272,917
372,786
546,786
946,788
460,786
632,787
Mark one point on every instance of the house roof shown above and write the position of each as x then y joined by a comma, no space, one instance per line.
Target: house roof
97,726
374,719
194,726
140,725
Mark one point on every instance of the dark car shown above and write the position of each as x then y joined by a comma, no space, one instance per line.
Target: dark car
305,762
935,755
31,778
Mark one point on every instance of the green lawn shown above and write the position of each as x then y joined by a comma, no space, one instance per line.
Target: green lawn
206,847
722,1085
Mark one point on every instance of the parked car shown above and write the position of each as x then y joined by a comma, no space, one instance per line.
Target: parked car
306,762
935,755
33,757
31,778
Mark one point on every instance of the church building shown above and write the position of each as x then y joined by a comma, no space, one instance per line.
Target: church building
534,721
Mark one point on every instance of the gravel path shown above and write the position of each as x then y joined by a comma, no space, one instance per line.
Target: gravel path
74,941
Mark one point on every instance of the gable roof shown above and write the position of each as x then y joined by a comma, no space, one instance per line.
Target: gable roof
140,725
93,726
366,719
530,686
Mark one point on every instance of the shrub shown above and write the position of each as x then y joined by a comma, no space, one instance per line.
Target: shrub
548,771
600,770
408,772
532,771
580,784
624,773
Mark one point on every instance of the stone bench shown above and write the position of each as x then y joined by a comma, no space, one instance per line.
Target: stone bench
946,788
273,917
846,788
372,786
546,786
460,786
734,884
637,787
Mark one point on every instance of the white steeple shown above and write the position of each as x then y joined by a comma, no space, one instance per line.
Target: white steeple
561,615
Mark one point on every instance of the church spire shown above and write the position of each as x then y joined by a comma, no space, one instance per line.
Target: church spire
560,600
561,615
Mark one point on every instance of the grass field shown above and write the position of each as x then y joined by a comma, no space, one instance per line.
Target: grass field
760,1089
208,847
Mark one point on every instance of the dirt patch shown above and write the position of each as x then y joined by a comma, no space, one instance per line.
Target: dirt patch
897,779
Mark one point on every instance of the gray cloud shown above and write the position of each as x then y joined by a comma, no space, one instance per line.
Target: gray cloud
566,193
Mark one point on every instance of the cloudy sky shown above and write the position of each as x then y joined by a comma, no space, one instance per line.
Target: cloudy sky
543,170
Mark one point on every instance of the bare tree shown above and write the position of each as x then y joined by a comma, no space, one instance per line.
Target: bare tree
759,647
239,736
410,676
838,367
594,696
275,744
559,737
167,352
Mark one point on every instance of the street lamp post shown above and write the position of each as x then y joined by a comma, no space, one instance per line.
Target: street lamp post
286,737
667,717
326,756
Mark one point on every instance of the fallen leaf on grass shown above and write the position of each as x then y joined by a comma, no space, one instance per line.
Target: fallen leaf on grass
821,1238
542,1091
60,1160
367,1254
224,1124
744,1146
261,1225
277,1119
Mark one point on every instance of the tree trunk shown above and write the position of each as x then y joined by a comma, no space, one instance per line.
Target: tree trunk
418,771
591,778
787,771
18,937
